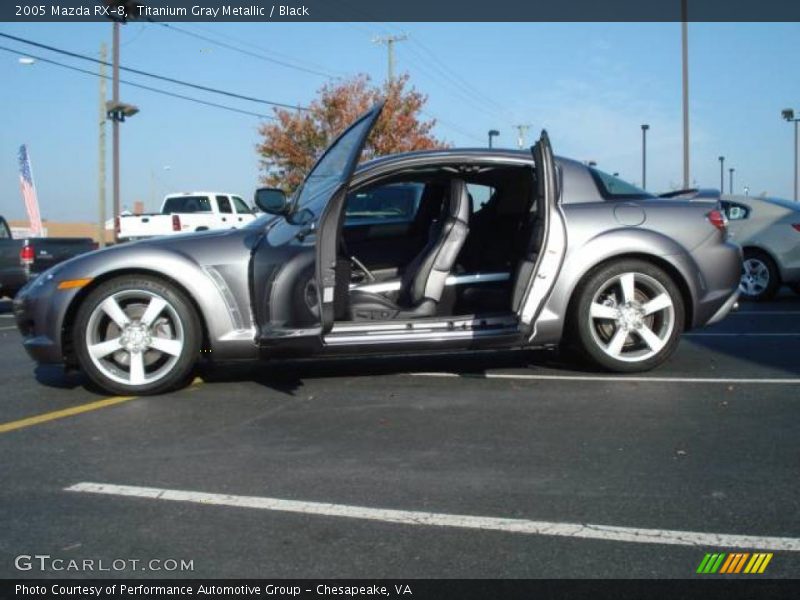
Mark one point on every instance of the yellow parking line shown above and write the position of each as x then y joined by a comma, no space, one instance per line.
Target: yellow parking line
66,412
69,412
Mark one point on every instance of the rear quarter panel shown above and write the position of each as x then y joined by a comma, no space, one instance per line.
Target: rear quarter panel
671,230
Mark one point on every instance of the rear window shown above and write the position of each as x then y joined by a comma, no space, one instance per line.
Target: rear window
187,204
612,187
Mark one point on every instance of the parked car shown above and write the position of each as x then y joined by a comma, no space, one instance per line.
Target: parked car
768,229
190,211
23,259
495,249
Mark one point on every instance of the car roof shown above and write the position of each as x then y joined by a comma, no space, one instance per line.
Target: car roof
459,153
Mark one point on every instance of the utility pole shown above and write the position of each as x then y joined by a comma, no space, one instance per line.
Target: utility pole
390,41
522,130
730,181
685,61
101,157
115,123
788,115
721,174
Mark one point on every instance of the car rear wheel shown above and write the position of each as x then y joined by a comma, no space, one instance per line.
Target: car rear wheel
137,335
628,316
760,279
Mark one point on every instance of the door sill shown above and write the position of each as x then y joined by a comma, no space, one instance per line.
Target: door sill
432,329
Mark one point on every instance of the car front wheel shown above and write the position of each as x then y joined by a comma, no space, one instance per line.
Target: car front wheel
137,335
628,317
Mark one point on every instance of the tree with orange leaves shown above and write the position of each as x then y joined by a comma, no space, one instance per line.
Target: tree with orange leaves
295,140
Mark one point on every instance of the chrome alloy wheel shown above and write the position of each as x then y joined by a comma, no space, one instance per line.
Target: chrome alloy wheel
755,277
134,337
631,317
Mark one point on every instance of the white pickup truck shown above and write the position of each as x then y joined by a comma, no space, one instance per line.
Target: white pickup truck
189,211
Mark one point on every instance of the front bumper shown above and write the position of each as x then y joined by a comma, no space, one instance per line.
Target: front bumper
39,311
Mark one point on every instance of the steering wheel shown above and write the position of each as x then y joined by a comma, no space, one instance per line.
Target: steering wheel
363,268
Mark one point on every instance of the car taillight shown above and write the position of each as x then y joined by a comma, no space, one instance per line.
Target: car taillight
796,226
176,223
26,255
717,219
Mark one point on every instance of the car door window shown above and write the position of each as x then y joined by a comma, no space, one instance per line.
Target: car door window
392,203
479,195
241,207
332,169
224,205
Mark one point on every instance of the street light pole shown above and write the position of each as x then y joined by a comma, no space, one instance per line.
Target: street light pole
101,155
730,180
492,133
721,174
788,115
645,127
685,63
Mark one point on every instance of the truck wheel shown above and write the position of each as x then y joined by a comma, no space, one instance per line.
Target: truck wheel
628,316
137,335
760,279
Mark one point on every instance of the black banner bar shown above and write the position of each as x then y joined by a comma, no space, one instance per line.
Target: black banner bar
743,587
401,10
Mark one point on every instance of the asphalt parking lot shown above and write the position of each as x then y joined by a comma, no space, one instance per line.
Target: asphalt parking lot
496,465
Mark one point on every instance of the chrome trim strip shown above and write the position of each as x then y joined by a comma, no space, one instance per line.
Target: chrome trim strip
394,285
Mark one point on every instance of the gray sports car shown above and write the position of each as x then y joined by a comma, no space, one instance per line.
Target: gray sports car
439,250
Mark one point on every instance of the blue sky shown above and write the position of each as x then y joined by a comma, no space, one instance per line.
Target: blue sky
591,85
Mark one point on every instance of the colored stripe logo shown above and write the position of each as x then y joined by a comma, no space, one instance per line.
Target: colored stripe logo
735,562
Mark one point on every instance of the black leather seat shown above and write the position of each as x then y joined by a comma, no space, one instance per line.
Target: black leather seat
424,278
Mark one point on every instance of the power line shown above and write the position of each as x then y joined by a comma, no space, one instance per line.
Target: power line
258,55
140,86
152,75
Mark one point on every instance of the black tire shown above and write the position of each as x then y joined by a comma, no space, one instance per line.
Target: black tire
755,266
595,336
176,324
796,288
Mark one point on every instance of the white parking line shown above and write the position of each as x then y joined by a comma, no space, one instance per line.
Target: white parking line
734,334
615,378
764,312
7,328
429,519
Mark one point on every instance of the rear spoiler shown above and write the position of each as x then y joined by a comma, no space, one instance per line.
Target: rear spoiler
692,194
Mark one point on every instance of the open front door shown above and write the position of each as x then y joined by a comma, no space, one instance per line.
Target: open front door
537,273
333,173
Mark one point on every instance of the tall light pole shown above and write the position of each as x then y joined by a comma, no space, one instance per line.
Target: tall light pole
645,127
721,174
101,153
685,62
492,133
390,41
788,114
730,180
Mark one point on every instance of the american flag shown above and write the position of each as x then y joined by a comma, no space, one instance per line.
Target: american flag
29,191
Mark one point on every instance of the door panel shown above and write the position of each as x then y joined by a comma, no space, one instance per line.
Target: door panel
537,273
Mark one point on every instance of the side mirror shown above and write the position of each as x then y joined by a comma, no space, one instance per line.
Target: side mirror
272,201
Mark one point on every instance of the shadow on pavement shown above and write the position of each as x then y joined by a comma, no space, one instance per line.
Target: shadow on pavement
287,376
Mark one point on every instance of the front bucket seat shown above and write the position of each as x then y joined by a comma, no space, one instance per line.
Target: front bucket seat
423,281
